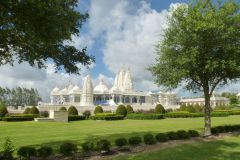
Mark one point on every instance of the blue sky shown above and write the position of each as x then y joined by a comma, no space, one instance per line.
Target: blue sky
95,49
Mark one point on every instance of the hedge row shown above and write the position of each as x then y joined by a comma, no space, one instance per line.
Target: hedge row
107,117
76,118
15,119
225,129
187,115
145,116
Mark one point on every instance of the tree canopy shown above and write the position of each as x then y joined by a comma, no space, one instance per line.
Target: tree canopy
40,31
200,49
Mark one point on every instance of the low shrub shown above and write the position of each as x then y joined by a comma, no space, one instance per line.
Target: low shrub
88,146
121,110
182,134
87,114
34,110
162,137
25,115
121,142
160,109
145,116
107,117
149,139
27,111
193,133
63,109
72,110
76,117
129,109
26,152
16,119
172,135
98,109
68,149
103,145
44,151
134,141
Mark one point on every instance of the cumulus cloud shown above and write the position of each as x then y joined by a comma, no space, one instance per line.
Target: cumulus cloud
130,35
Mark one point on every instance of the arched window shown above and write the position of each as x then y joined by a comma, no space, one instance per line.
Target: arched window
134,100
127,100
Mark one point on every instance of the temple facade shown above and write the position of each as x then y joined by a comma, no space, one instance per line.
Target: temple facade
122,92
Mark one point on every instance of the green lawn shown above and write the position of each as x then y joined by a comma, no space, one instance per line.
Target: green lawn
227,149
39,133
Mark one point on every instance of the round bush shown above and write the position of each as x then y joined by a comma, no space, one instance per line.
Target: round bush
98,109
121,110
44,113
34,110
68,148
182,134
129,109
121,142
87,114
103,145
149,139
27,152
88,146
3,111
172,135
63,109
44,151
160,109
27,111
162,137
193,133
134,141
72,110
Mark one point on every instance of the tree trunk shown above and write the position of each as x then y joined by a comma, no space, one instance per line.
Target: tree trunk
207,113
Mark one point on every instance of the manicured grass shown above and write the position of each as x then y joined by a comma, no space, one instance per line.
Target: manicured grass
226,149
53,133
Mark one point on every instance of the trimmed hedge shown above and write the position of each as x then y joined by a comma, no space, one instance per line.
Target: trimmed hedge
34,110
134,141
27,152
129,109
25,115
76,118
225,129
88,146
68,149
107,116
149,139
192,115
121,142
72,110
160,109
145,116
98,109
162,137
16,119
103,145
121,110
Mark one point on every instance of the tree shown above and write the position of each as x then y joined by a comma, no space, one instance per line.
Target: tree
160,109
39,31
3,110
72,110
233,100
201,49
8,149
27,111
121,110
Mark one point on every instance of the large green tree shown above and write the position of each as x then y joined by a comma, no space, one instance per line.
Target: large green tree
37,31
200,49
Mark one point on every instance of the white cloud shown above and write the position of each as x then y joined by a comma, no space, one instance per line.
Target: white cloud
129,36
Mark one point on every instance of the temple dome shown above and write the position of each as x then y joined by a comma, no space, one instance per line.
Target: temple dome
55,90
101,87
64,91
75,89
